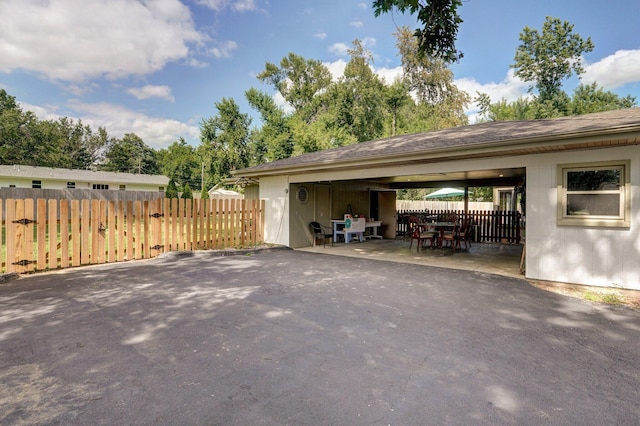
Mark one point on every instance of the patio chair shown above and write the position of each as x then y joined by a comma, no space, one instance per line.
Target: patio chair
452,237
421,235
321,231
465,233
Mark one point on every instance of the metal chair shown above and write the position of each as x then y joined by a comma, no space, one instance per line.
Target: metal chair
321,231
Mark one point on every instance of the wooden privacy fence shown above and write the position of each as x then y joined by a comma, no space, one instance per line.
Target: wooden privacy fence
488,226
50,234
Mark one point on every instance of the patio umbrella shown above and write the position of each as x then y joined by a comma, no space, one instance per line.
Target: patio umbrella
445,192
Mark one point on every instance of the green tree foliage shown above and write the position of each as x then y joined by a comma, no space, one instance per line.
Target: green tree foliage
592,98
187,194
274,140
204,194
549,57
52,143
300,81
225,139
359,97
440,104
172,190
396,96
130,155
440,20
180,162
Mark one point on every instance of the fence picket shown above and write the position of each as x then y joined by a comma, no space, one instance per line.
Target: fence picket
41,233
76,248
146,239
127,226
167,224
111,228
10,239
3,256
120,224
53,232
27,246
19,232
65,236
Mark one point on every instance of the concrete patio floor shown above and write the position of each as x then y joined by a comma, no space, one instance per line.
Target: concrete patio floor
494,258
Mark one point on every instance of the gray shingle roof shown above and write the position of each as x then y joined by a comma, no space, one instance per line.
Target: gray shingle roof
73,175
502,135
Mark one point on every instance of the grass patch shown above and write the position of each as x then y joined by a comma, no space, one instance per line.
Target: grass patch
608,298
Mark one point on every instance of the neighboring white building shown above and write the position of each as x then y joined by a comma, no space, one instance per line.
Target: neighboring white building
581,174
224,194
18,176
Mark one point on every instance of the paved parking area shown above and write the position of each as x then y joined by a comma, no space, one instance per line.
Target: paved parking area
290,337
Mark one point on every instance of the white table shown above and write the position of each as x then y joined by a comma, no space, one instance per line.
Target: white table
348,235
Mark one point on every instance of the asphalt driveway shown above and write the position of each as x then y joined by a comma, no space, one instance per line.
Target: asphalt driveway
287,337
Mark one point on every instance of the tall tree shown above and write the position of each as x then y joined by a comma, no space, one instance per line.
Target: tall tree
431,82
130,155
274,140
16,129
225,140
180,162
592,98
547,58
397,95
440,20
360,96
300,81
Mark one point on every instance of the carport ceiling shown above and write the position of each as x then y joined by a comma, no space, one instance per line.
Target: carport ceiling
471,178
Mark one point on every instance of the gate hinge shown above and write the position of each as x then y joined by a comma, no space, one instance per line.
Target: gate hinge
24,221
23,262
156,215
157,247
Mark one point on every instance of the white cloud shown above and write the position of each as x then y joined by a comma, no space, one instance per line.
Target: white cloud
237,5
224,49
369,42
336,68
615,70
363,5
149,91
157,132
74,40
320,36
357,24
339,49
389,74
511,88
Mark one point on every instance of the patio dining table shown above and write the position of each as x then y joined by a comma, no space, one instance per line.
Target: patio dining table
442,227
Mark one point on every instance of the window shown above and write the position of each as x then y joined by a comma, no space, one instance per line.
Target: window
100,186
123,187
71,185
594,194
36,184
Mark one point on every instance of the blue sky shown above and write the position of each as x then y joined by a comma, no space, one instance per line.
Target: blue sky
156,67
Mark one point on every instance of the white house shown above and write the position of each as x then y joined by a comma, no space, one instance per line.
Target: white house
581,173
18,176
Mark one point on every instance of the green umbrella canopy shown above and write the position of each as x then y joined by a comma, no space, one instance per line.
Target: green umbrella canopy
445,192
